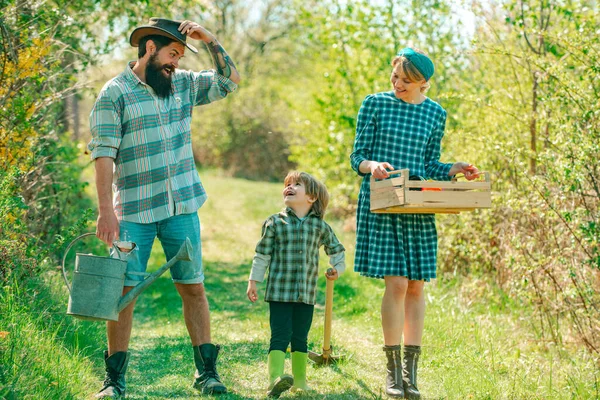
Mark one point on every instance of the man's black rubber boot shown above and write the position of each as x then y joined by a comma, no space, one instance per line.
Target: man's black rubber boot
114,382
207,378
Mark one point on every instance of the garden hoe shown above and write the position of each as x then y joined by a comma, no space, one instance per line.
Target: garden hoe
326,357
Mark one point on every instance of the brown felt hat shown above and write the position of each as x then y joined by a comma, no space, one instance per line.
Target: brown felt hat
162,27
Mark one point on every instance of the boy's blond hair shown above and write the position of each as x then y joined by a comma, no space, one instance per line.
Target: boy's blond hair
313,187
410,71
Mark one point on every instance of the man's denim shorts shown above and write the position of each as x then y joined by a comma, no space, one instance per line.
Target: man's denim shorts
172,233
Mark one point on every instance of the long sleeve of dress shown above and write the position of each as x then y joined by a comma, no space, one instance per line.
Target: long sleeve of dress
366,126
434,169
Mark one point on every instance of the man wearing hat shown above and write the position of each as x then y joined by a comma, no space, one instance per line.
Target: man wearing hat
147,182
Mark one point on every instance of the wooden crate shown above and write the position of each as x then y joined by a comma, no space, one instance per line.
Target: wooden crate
394,195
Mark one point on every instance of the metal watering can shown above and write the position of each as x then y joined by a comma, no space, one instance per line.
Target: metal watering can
98,282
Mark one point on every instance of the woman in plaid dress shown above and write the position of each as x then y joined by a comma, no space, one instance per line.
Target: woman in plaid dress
401,129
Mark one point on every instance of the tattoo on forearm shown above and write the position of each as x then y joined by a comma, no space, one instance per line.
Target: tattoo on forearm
221,59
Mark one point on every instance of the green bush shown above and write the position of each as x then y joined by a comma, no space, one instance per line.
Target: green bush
534,104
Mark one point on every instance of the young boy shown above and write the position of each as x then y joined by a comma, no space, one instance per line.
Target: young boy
289,248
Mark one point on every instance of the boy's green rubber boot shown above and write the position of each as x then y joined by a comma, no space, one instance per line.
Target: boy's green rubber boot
299,361
278,381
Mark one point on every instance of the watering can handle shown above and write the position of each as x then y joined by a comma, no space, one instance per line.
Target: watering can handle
64,273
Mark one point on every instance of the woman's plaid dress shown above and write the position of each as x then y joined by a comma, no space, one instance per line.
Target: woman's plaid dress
406,136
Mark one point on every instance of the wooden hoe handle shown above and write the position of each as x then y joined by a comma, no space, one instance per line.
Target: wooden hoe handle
328,313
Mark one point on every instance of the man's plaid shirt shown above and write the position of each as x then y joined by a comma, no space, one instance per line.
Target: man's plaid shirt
292,246
149,139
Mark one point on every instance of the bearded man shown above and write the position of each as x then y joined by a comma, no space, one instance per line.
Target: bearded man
147,182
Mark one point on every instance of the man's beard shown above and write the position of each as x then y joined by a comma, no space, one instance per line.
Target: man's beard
157,80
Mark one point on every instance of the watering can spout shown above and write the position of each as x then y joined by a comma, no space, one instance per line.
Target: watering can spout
185,254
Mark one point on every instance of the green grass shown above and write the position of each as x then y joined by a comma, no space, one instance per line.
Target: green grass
44,352
483,349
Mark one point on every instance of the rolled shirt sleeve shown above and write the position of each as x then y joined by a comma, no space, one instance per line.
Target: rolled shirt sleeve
208,86
105,127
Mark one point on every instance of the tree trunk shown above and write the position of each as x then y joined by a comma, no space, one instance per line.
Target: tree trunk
532,127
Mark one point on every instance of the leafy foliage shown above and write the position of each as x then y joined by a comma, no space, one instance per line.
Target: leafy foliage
534,81
356,42
522,103
40,191
248,134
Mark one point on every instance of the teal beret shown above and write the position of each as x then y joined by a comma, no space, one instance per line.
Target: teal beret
420,61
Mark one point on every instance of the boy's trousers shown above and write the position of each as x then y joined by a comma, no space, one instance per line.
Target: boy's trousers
290,322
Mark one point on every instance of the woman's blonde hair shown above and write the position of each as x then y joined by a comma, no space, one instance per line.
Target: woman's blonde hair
410,71
313,187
